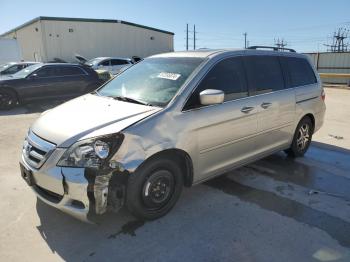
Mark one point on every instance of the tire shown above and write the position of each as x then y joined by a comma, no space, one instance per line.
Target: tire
302,138
8,99
154,189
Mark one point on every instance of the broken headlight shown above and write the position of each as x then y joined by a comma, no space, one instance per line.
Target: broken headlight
94,152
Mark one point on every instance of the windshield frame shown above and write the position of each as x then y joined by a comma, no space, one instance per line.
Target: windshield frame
180,89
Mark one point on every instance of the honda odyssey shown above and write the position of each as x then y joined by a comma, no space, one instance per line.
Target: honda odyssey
169,121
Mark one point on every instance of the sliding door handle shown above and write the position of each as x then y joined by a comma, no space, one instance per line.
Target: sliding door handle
247,109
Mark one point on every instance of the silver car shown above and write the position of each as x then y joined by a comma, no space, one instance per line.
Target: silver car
114,65
172,120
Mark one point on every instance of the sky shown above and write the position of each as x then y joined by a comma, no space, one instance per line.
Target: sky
305,25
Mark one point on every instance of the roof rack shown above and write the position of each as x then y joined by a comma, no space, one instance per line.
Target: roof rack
274,48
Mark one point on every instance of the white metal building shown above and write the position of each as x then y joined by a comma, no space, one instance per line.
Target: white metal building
46,38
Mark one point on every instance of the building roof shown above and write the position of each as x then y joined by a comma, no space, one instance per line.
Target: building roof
49,18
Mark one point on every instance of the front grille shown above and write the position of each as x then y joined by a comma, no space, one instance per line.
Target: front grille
36,150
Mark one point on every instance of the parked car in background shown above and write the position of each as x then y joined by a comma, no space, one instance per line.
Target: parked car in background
112,64
169,121
43,81
13,67
136,59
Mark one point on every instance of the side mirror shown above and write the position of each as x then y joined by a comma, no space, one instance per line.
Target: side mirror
211,97
32,76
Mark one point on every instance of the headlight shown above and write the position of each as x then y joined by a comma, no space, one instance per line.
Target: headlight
101,149
93,152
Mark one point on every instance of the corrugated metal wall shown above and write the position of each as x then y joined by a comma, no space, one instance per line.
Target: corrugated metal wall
45,40
30,41
332,63
63,39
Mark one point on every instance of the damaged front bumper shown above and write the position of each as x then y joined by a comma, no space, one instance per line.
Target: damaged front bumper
80,192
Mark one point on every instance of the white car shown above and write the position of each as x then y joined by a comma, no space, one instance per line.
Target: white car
112,64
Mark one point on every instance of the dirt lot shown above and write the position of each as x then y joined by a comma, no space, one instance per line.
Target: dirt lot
276,209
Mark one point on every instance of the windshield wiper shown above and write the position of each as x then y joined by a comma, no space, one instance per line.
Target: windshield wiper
131,100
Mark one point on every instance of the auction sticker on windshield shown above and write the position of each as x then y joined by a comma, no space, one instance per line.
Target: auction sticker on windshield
170,76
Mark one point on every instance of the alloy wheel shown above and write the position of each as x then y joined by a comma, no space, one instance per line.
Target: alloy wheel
6,100
303,137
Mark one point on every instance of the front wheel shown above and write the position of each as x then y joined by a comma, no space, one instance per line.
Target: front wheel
154,189
302,138
8,99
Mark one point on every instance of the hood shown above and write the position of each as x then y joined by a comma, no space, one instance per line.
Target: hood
88,116
4,78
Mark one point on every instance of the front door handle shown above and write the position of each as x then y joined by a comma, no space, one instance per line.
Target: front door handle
247,109
265,105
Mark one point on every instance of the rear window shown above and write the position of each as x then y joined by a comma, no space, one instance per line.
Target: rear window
105,63
264,73
300,71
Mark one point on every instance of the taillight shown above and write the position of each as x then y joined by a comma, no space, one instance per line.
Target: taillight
323,95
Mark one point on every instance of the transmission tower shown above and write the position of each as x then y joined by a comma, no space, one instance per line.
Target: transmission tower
280,43
338,42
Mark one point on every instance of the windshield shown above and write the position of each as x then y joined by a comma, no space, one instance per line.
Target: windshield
26,71
5,66
94,61
153,81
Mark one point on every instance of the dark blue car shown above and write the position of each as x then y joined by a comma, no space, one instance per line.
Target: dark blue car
45,81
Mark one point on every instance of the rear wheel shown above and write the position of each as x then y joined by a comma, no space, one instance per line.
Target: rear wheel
302,138
154,189
8,99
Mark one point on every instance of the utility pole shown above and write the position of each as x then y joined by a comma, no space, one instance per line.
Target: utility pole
186,36
194,37
245,40
190,38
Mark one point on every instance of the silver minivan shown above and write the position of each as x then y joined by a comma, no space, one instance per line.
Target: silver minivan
172,120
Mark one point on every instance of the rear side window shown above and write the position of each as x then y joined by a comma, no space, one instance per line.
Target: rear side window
105,63
264,74
300,71
70,71
119,62
227,75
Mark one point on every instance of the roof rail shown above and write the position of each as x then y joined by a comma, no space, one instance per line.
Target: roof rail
274,48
